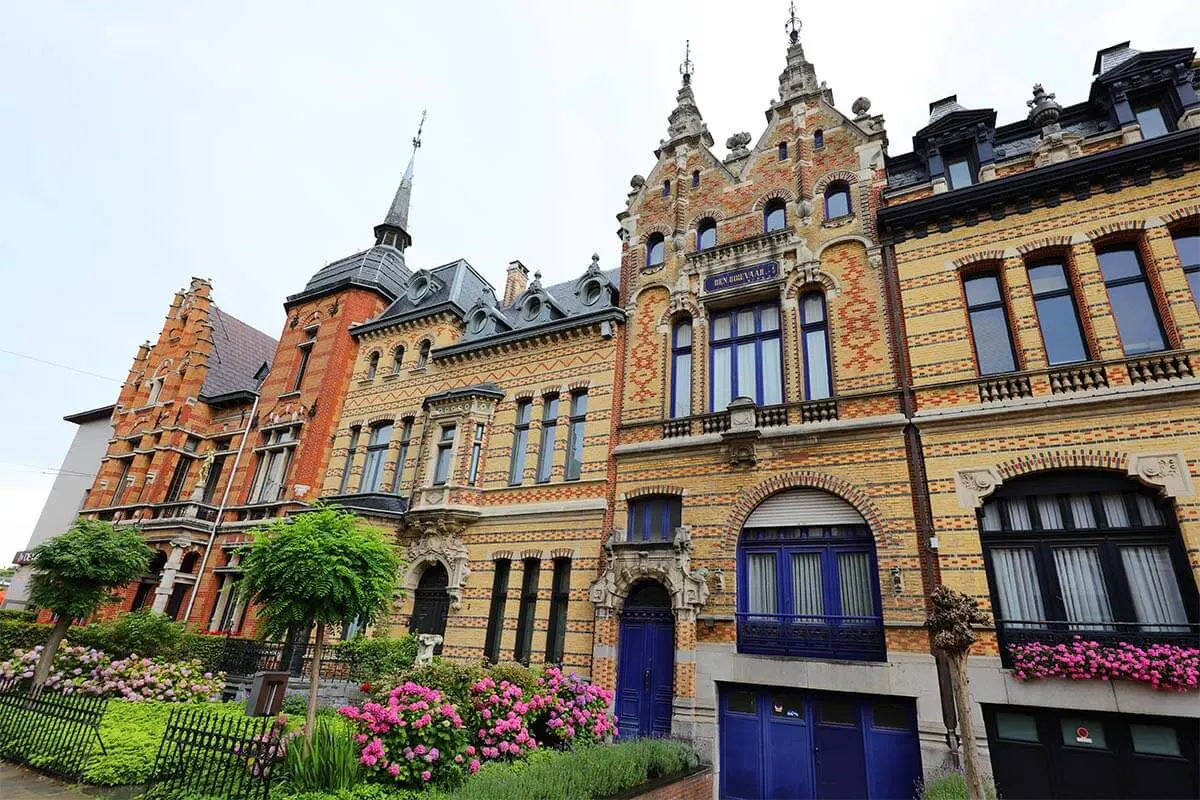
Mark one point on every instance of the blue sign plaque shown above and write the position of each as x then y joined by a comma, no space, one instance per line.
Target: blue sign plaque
742,276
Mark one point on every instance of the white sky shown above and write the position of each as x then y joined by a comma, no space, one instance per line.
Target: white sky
142,143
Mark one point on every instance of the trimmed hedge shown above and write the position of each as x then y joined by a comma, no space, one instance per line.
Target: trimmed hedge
21,634
376,658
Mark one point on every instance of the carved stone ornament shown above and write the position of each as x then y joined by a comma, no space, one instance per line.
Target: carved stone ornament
426,644
629,563
743,432
974,485
439,545
1166,471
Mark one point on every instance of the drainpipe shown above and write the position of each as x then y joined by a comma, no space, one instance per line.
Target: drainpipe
212,536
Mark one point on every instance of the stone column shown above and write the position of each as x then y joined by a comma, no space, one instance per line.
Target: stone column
166,583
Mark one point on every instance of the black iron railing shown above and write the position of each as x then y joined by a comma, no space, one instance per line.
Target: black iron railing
244,657
837,637
205,753
52,732
1055,632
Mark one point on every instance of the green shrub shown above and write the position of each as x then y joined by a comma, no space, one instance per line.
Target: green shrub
146,633
203,648
326,760
516,673
950,786
362,791
376,658
452,680
17,615
19,634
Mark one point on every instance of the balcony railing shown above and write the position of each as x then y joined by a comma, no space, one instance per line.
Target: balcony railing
764,417
1055,632
849,638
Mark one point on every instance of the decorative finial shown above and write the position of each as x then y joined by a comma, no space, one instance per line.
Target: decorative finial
417,139
1043,109
792,26
687,68
594,267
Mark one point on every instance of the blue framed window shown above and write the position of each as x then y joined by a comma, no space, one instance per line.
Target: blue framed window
959,171
654,517
1187,247
681,368
783,151
1057,313
1138,324
989,324
809,591
706,234
1150,118
745,356
814,330
774,216
654,249
837,200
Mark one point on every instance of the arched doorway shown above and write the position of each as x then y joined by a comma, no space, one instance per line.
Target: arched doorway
431,603
646,662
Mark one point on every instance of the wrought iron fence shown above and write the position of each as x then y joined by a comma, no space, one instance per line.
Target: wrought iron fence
48,731
244,657
854,638
213,754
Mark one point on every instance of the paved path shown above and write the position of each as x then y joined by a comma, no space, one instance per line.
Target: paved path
17,783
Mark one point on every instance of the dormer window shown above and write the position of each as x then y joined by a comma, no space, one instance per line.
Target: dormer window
592,292
419,287
706,234
655,246
533,308
1151,119
478,321
959,171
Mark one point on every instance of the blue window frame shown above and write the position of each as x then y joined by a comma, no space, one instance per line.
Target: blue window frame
1138,324
818,139
1187,247
837,200
814,330
809,591
774,216
654,517
745,356
654,250
706,234
681,368
783,151
1057,314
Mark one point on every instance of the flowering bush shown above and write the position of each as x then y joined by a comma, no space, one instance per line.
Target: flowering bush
266,749
1163,666
578,710
416,737
504,715
89,671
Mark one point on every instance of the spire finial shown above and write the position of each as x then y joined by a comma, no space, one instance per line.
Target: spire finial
792,26
687,68
417,139
394,230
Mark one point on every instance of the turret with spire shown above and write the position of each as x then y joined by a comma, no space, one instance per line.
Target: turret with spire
799,78
685,121
393,230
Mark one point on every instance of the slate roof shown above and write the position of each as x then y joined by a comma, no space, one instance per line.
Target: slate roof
238,352
453,287
380,268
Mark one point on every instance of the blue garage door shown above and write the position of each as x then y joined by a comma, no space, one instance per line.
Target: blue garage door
781,743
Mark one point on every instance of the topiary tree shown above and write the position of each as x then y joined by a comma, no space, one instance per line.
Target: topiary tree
75,572
323,567
950,620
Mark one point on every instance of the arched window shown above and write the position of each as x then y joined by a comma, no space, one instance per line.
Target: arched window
681,368
1085,553
654,518
695,178
188,565
397,359
706,233
372,365
818,139
775,216
654,250
814,330
423,353
837,200
807,580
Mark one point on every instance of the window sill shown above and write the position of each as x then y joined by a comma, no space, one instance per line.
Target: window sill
418,370
289,395
366,381
838,222
391,376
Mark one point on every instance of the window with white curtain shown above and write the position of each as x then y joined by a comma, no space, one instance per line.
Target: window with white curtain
746,356
1086,552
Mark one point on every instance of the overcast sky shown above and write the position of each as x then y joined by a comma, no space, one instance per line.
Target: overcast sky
142,143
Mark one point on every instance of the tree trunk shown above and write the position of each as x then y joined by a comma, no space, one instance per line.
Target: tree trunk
966,726
57,634
314,679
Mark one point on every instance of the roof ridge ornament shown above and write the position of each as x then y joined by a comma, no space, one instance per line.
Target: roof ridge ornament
685,120
687,68
799,78
792,26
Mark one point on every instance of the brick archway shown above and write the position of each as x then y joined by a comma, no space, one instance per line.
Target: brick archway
1044,460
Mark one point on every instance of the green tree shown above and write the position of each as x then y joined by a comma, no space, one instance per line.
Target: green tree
75,572
951,620
323,567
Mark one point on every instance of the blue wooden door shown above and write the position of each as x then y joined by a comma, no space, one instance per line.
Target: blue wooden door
645,665
838,748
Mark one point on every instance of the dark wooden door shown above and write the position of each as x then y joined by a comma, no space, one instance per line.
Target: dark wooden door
431,603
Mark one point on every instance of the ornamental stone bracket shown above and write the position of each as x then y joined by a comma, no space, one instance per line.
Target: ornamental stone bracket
743,433
670,565
440,542
975,484
1167,472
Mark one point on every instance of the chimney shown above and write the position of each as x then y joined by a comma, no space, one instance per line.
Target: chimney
515,282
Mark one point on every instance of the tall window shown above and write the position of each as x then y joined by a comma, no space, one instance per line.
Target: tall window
351,448
406,430
397,359
655,245
1057,313
783,151
476,453
229,609
549,431
1150,118
775,216
745,355
654,518
122,481
989,324
178,479
1129,293
818,139
666,190
273,462
576,434
1085,551
681,368
837,200
529,592
1187,247
695,178
445,449
706,234
372,365
560,595
495,626
305,349
959,171
214,478
814,330
516,467
377,447
423,353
